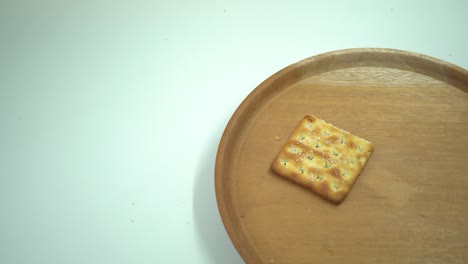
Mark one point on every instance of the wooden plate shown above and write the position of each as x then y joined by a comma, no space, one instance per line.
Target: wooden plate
410,205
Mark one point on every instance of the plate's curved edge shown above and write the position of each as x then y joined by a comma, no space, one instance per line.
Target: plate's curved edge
454,71
220,155
452,74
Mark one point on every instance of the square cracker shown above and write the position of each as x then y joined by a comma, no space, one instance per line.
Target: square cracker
323,158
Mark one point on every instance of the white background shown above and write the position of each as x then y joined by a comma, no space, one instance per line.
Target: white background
111,112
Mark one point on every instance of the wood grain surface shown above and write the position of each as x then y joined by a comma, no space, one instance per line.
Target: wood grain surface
410,204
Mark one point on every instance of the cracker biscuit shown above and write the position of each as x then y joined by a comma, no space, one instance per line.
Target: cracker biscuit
323,158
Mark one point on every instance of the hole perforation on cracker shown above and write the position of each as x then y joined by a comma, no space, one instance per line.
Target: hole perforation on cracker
344,174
